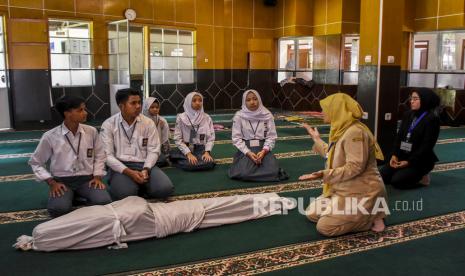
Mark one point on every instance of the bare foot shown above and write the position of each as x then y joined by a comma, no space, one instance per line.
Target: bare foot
425,180
378,226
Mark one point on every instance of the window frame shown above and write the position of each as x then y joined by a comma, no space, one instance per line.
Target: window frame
296,70
68,52
438,74
178,45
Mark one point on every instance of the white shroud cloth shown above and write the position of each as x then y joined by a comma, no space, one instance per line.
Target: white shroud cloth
133,218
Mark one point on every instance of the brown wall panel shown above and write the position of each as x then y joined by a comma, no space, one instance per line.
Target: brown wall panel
185,11
27,31
35,4
59,5
263,15
204,12
369,30
143,8
30,56
243,13
86,6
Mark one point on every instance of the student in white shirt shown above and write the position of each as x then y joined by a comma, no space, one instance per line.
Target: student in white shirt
194,136
151,109
132,146
254,135
77,159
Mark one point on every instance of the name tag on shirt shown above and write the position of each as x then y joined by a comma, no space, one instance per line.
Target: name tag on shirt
254,143
406,146
202,137
129,150
145,141
90,153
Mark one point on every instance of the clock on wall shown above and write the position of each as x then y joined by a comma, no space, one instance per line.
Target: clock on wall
130,14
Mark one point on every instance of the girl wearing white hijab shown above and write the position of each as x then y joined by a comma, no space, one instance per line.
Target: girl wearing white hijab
194,136
254,135
151,109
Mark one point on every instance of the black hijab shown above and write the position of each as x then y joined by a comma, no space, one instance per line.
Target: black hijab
428,100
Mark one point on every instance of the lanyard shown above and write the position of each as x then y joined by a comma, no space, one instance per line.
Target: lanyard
329,149
126,134
256,128
192,125
414,124
157,121
72,147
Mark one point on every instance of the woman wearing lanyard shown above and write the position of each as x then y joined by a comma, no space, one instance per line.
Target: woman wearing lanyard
413,156
194,136
353,196
254,135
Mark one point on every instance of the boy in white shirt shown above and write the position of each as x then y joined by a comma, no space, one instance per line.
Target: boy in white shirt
132,146
77,159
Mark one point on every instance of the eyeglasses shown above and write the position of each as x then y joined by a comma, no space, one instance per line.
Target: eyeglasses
414,98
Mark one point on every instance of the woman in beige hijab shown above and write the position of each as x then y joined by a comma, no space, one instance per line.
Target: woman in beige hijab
353,196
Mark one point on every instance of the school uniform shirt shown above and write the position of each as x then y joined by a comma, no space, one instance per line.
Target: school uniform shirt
163,132
243,129
205,134
55,145
138,142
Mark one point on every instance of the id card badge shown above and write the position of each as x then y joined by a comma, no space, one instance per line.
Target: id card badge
202,138
254,143
129,150
406,146
90,153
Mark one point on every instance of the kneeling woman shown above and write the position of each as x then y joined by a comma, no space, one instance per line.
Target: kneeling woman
413,156
194,136
254,135
351,175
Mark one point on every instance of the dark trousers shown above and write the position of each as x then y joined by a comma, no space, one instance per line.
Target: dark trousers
406,178
158,186
76,185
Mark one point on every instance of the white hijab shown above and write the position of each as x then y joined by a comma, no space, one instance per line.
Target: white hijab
261,114
146,108
191,115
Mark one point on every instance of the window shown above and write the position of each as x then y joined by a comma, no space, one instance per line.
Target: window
172,56
70,53
295,58
425,51
421,54
2,56
438,60
350,59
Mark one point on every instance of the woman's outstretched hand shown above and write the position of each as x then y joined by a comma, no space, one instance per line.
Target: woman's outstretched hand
312,131
311,176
